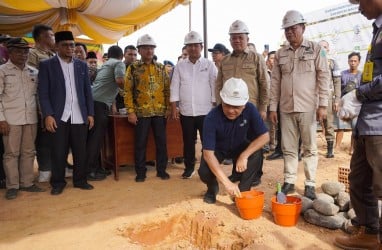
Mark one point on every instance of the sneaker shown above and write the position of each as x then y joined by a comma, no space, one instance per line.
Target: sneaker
34,189
68,172
287,188
209,198
11,193
210,195
44,176
310,192
188,173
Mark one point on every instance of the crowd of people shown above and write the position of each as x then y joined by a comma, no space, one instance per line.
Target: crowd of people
55,100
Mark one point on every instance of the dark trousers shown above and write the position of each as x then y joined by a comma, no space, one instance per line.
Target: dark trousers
119,102
190,126
158,126
43,146
208,177
95,136
278,134
365,180
2,173
73,135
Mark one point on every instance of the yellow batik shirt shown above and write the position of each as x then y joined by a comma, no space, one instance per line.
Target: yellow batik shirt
147,89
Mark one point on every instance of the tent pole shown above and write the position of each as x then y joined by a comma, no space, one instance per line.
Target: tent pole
205,28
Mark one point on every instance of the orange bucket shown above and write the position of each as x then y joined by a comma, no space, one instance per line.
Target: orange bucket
250,204
286,214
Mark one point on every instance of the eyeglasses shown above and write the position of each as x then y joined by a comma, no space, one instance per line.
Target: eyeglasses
70,45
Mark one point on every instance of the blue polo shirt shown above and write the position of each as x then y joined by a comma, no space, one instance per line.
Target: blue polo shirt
228,136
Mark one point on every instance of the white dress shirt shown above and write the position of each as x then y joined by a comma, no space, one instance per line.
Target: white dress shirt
193,86
72,108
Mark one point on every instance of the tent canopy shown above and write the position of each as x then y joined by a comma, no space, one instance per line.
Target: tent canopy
104,21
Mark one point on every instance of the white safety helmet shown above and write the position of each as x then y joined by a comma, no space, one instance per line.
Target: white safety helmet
238,27
292,17
146,40
354,1
192,37
234,92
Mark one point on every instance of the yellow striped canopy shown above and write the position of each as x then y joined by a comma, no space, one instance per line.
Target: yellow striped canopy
104,21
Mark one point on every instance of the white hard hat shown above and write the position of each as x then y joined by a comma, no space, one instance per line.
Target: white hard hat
192,37
354,1
292,17
146,40
235,92
238,27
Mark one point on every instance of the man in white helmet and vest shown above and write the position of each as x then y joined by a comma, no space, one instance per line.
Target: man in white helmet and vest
250,66
365,177
234,129
300,88
147,93
192,96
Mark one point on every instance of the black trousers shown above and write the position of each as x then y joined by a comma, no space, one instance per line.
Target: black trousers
73,135
208,177
158,126
43,146
2,172
95,136
190,126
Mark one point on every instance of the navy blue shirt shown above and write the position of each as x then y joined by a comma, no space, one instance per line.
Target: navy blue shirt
228,136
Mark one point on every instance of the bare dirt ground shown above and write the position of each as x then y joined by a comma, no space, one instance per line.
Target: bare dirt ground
160,214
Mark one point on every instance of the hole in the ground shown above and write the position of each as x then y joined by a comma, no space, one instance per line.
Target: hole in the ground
201,230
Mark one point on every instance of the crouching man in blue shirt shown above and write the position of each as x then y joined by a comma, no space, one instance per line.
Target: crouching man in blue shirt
232,130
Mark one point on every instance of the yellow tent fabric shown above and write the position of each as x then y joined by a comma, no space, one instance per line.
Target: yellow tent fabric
104,21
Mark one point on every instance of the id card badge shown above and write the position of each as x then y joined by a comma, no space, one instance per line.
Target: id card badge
367,74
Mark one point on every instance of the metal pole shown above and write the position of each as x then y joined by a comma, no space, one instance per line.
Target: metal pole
189,16
205,28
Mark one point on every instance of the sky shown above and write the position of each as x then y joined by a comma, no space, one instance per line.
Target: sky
263,19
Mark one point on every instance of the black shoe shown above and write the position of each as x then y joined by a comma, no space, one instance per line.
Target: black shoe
163,175
56,190
227,162
94,176
234,178
85,186
140,178
11,193
150,163
34,189
256,183
179,160
209,198
210,195
310,192
104,171
188,173
287,188
274,156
